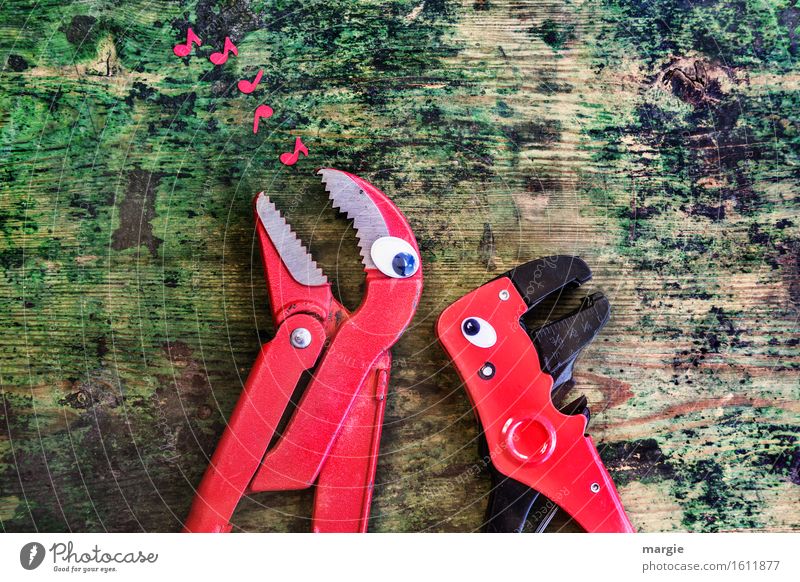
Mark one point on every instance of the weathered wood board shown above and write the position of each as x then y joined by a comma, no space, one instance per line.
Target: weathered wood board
660,141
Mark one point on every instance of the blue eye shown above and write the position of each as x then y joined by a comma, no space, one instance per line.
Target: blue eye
479,332
471,326
404,264
394,257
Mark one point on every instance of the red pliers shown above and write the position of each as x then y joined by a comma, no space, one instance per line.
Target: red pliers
515,373
333,436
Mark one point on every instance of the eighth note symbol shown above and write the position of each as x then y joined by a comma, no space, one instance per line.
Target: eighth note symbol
290,159
262,112
183,50
248,87
221,58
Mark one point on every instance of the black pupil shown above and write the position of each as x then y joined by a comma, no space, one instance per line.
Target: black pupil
471,326
403,264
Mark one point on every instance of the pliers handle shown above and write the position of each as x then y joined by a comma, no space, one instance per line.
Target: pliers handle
332,438
267,391
529,441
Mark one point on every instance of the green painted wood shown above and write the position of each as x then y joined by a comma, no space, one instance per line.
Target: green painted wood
660,141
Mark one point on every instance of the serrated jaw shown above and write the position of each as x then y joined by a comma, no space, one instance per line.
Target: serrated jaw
293,253
348,198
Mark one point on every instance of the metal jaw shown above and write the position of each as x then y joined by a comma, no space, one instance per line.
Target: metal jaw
559,342
512,372
293,279
332,437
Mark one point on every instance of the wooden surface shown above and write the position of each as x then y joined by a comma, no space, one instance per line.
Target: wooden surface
660,141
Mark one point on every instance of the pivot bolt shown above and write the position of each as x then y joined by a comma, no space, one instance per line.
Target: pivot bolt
300,338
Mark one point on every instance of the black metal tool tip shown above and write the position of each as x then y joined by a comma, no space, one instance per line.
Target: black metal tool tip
560,342
540,278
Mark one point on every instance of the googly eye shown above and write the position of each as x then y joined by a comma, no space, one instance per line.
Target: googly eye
479,332
394,257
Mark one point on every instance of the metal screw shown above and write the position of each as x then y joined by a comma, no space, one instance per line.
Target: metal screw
301,338
595,487
504,295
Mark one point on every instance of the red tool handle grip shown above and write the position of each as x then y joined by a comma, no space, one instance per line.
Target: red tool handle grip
549,452
266,393
347,479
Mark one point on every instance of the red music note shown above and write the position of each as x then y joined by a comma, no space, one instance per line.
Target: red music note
262,112
290,159
183,50
246,86
222,58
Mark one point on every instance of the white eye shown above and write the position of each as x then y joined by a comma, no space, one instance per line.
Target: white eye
394,257
479,332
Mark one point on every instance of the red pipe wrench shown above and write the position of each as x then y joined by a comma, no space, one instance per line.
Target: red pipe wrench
333,436
513,374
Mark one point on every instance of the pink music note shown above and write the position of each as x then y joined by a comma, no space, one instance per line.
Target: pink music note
222,58
183,50
248,87
290,159
262,112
